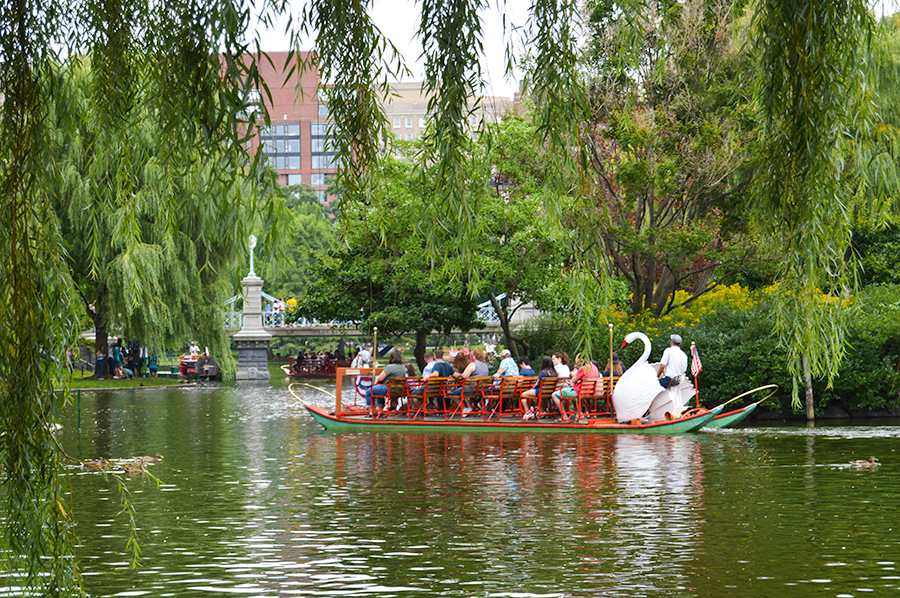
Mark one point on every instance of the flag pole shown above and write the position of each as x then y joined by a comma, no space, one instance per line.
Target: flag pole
696,384
612,368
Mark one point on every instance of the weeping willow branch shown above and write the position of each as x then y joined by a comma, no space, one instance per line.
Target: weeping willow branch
814,62
562,113
451,33
355,61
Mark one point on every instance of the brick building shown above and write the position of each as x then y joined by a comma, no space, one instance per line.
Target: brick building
295,142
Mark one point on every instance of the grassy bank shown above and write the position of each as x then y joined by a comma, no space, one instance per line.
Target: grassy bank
83,382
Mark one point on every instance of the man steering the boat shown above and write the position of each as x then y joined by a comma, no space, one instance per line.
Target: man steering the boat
673,363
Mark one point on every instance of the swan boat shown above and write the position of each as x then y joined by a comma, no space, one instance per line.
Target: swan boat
488,418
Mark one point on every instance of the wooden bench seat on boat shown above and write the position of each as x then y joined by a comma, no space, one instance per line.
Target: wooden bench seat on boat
544,396
599,402
433,395
502,396
398,389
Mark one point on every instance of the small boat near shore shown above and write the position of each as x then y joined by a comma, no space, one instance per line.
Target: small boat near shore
198,367
495,412
313,368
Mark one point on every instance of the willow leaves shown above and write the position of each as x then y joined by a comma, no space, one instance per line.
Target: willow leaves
815,68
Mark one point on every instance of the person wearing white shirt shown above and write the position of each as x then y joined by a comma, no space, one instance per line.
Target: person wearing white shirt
673,363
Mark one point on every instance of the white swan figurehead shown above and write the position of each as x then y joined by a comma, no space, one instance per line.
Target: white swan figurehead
638,386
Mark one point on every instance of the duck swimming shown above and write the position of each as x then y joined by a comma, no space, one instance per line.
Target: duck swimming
871,463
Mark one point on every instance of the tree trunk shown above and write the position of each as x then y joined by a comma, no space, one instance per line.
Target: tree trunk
419,349
810,411
101,335
504,325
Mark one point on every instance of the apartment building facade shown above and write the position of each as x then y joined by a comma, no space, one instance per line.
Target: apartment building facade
294,144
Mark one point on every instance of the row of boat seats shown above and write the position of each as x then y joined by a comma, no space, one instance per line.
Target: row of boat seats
494,397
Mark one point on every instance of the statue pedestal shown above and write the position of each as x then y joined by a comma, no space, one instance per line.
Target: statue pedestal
252,340
253,359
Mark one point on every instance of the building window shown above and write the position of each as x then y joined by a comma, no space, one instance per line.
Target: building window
294,179
322,197
324,162
317,146
281,146
317,180
409,123
319,129
323,110
421,122
396,123
409,136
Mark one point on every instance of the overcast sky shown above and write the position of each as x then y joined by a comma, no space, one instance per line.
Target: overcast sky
398,21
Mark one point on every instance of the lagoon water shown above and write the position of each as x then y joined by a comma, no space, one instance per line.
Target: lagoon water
256,500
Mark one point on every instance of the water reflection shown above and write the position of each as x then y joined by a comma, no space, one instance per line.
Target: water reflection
257,500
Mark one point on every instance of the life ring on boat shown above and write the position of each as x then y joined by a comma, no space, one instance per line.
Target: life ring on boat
363,384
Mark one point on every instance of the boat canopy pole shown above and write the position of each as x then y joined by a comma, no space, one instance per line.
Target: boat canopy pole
696,384
374,367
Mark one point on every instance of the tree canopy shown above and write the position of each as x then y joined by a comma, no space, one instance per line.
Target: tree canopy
153,274
673,147
377,274
191,60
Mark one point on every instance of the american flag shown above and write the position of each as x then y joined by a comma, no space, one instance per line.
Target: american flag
696,366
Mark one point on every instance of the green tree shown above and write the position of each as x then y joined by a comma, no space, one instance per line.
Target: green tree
814,76
672,140
378,274
160,276
312,234
191,63
520,247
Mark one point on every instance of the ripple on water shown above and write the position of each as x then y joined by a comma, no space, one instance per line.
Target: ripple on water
258,500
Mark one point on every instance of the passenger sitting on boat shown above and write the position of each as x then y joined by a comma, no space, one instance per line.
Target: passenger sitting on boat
508,365
441,369
561,365
585,369
476,369
460,363
525,367
673,363
547,371
414,401
394,369
614,365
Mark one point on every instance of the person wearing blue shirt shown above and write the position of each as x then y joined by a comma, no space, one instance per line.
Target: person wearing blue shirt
508,365
525,367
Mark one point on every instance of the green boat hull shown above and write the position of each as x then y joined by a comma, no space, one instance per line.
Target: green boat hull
357,423
731,418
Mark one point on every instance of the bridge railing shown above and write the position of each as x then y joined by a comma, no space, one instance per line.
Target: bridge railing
276,319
